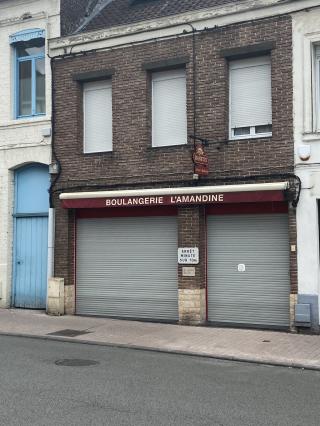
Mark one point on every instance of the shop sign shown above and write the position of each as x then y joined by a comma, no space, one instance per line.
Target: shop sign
188,255
188,271
174,200
200,160
166,200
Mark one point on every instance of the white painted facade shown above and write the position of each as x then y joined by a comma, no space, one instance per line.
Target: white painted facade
306,77
21,140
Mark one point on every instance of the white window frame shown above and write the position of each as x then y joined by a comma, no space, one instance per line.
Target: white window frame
252,134
90,86
164,72
316,53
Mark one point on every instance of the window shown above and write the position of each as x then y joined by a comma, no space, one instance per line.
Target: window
169,108
97,111
317,89
30,78
250,98
318,208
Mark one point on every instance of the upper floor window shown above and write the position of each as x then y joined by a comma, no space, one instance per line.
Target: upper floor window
29,73
169,108
97,112
250,98
317,89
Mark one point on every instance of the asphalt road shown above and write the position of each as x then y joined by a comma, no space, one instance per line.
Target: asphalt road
132,387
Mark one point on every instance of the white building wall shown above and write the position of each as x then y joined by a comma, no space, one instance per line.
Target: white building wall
21,140
306,33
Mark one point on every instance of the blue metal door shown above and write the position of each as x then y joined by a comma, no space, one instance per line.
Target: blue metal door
31,237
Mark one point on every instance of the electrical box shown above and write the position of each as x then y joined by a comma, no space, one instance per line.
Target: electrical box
303,315
54,168
46,132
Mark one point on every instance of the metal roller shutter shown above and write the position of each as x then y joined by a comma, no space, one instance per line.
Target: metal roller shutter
260,295
127,267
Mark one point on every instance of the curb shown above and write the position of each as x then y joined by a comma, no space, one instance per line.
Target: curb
248,360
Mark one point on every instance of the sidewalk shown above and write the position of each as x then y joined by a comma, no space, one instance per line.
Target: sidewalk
267,347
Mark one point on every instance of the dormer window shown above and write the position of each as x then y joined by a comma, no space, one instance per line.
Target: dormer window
29,73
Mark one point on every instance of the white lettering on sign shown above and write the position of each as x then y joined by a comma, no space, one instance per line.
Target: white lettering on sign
188,255
164,200
133,201
192,199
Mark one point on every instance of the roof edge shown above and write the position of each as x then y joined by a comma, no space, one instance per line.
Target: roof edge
175,24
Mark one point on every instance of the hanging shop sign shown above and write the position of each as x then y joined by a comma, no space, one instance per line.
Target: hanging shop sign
200,160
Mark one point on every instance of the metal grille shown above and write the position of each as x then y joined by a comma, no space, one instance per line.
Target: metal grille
260,294
127,267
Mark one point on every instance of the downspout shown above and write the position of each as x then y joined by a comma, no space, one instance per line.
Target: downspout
51,241
52,214
194,78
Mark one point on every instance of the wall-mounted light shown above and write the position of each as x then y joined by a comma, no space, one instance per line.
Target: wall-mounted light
304,152
54,168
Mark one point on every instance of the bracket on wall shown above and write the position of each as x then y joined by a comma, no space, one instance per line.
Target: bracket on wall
207,142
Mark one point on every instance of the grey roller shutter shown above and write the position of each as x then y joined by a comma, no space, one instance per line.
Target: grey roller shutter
127,267
260,295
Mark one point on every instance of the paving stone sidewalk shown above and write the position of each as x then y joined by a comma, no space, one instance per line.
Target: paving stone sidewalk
269,347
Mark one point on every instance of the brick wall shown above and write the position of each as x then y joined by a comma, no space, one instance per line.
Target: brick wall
133,162
191,233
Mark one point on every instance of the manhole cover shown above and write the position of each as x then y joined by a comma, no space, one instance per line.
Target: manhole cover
68,333
76,362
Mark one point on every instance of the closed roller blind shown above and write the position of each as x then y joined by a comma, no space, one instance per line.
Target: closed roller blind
260,294
97,110
169,108
250,92
127,267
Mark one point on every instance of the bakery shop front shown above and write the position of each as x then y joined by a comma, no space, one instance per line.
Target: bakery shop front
200,254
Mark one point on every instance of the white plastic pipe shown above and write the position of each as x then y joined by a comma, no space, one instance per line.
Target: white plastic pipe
51,234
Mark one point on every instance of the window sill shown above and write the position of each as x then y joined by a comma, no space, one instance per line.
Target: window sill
155,148
30,117
20,122
311,137
109,153
246,137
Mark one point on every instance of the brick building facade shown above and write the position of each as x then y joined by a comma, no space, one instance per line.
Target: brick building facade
133,165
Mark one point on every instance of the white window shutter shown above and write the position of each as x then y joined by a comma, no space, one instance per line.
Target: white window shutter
97,110
250,92
169,108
